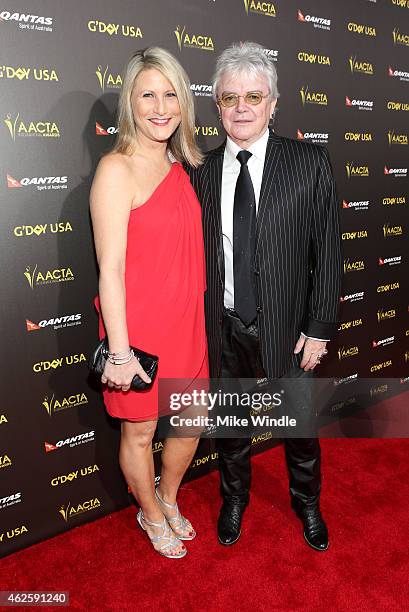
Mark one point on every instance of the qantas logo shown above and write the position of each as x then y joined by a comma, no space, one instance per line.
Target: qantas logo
359,104
395,171
390,261
315,137
40,182
361,205
402,75
82,438
101,131
55,323
318,22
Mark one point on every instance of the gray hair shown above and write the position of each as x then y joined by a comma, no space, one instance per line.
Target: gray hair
248,58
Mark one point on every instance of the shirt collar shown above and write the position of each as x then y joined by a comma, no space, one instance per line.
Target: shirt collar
258,149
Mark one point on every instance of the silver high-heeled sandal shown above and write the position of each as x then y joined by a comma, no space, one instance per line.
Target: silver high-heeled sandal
168,538
178,523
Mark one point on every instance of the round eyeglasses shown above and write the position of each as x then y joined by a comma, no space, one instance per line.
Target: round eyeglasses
252,97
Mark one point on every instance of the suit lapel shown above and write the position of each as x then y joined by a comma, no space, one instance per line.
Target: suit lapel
271,163
215,182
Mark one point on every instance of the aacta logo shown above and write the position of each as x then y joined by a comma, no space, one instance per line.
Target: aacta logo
353,266
397,106
41,229
55,323
28,22
399,74
313,97
114,29
358,136
374,391
3,419
261,8
343,353
317,22
352,170
359,28
383,315
82,438
53,405
359,66
69,512
395,171
59,362
108,80
101,131
314,58
16,127
359,104
400,139
315,137
390,261
193,41
39,182
392,201
360,205
13,533
5,461
400,39
35,277
64,478
395,230
24,73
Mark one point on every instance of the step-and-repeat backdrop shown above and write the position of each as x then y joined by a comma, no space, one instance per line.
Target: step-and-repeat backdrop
344,81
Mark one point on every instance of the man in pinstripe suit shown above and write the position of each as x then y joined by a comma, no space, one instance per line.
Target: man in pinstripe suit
269,210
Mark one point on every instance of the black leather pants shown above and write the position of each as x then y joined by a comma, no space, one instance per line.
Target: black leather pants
241,358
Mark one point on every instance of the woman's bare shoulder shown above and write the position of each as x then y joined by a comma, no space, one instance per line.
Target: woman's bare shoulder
115,164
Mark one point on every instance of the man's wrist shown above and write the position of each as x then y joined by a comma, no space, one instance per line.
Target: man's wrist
313,338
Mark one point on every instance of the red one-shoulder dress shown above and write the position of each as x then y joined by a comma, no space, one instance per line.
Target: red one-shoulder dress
165,282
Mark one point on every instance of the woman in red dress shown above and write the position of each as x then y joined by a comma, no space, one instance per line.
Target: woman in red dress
149,244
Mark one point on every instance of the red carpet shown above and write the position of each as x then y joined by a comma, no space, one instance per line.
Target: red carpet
109,565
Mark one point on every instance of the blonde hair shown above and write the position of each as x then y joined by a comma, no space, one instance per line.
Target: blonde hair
182,143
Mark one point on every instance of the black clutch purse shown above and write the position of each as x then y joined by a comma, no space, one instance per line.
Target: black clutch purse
97,360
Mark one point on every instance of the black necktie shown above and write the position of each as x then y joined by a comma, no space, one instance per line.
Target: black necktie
244,231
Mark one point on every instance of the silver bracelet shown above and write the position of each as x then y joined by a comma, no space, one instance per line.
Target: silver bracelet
115,360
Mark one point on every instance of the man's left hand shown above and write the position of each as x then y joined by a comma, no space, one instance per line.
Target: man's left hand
314,350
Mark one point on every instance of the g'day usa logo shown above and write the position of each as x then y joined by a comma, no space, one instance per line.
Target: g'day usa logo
41,183
54,323
77,440
26,21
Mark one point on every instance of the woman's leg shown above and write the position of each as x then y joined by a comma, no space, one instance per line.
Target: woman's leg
136,461
177,455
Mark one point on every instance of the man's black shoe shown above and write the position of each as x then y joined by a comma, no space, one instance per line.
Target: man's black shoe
229,523
315,529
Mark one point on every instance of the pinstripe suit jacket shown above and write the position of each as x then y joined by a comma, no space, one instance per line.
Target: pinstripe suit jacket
297,260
